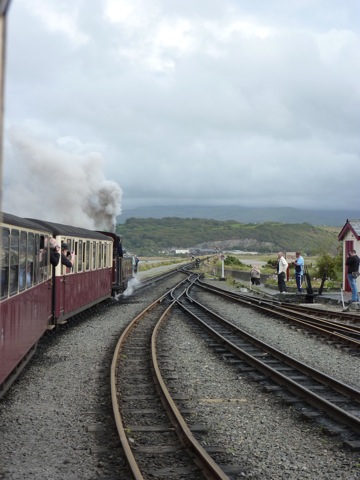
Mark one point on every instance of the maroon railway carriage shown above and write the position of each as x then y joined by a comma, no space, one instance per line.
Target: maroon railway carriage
123,269
25,293
91,278
36,296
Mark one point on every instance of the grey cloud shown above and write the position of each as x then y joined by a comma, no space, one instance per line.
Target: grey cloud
234,115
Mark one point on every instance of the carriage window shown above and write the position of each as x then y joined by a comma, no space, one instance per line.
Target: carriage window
99,255
30,261
44,257
72,246
94,256
22,261
80,256
14,261
4,262
87,255
105,255
37,259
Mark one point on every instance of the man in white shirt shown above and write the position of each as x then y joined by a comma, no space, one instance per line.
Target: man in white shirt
282,266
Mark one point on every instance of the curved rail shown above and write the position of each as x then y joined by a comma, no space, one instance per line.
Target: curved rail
198,454
231,334
335,330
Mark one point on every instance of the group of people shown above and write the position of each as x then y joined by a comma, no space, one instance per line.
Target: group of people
67,257
282,266
352,262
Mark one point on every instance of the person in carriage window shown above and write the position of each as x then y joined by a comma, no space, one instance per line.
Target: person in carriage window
54,252
67,257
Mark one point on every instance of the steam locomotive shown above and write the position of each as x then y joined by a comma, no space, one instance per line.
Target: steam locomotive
36,296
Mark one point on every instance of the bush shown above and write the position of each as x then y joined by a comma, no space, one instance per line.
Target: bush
233,261
329,266
271,264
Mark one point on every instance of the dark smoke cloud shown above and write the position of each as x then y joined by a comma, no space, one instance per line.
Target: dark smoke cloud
43,180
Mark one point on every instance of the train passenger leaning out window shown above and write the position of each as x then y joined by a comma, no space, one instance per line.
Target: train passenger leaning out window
67,257
54,252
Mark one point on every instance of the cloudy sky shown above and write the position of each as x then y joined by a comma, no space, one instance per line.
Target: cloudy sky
121,103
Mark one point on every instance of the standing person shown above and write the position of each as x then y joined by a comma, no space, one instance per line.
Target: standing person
119,246
352,263
282,266
67,258
299,271
136,262
255,276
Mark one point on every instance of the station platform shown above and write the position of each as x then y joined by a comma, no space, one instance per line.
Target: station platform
334,298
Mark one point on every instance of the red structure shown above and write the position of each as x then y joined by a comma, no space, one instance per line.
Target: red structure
36,295
350,236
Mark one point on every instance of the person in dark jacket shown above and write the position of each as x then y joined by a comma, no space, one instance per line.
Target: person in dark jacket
136,263
119,246
352,263
54,252
67,258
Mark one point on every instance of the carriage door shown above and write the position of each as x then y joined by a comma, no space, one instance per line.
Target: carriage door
349,245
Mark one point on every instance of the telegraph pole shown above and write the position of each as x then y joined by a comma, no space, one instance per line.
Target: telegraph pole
4,8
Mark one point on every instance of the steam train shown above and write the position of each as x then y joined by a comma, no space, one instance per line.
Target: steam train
36,296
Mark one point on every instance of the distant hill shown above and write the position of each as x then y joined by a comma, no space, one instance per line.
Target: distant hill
335,218
149,236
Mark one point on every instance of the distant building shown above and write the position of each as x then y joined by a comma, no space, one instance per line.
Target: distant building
350,236
203,251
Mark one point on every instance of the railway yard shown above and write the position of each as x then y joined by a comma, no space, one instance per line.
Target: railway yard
248,416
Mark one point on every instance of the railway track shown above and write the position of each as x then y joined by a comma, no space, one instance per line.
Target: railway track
155,436
318,322
70,432
156,439
335,405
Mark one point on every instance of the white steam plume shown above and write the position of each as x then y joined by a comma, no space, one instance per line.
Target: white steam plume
46,181
133,285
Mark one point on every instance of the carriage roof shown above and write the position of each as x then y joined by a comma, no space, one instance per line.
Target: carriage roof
51,227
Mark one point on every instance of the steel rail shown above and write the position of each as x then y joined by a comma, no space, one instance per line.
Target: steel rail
208,466
136,473
323,327
310,397
198,454
345,316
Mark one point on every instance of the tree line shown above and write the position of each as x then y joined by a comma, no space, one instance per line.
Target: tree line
150,236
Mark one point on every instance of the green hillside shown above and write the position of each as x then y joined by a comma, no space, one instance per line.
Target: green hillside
242,214
149,236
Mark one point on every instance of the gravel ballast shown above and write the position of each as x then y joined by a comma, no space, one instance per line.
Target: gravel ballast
49,417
